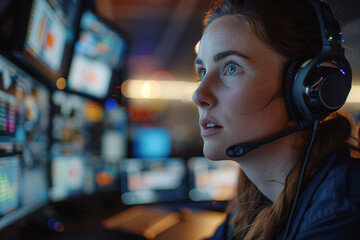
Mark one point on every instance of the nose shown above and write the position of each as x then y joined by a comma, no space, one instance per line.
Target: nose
204,96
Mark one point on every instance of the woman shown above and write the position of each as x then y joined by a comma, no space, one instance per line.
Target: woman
244,53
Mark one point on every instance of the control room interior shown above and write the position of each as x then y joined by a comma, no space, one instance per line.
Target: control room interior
98,119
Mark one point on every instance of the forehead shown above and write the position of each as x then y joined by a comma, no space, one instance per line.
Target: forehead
229,33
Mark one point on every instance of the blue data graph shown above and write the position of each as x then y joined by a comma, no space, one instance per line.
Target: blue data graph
9,184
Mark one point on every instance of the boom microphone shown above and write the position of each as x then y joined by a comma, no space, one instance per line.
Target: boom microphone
241,149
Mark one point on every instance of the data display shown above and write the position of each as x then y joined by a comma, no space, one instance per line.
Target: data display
9,184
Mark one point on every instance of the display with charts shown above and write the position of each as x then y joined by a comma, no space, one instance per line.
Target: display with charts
24,142
44,35
9,184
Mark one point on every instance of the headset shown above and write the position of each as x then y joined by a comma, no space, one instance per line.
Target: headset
313,89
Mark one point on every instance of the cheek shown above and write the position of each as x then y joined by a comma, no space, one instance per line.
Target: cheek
261,87
251,100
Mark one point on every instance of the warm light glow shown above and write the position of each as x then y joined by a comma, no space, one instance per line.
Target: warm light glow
61,83
354,95
183,90
197,46
93,112
151,89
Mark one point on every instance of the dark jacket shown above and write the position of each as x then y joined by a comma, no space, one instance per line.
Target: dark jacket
328,207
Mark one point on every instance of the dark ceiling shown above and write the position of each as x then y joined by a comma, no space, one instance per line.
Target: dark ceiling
164,33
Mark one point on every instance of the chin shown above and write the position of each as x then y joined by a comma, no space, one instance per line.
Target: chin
214,153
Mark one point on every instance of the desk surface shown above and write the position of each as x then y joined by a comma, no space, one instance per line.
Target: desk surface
196,225
200,225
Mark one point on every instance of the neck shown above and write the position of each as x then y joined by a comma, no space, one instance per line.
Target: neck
268,166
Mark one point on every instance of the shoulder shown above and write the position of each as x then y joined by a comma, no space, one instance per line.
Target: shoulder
338,191
223,231
335,202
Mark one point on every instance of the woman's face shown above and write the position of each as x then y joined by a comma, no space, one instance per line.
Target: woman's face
240,94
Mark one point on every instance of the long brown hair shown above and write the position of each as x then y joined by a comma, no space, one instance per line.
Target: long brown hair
290,28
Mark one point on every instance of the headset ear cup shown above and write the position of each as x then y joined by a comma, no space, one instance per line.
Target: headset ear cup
289,78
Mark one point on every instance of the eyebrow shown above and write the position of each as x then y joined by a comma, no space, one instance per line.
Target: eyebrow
199,61
221,55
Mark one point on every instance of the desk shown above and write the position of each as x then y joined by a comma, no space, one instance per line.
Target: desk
196,225
200,225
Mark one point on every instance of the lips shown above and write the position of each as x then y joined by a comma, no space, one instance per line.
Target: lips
209,127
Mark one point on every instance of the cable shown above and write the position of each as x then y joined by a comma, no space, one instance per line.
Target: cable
316,125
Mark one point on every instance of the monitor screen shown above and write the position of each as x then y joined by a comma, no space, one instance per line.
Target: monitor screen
24,142
49,35
68,176
212,180
153,180
99,55
83,135
151,142
9,182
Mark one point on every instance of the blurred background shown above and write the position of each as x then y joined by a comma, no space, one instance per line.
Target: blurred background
96,110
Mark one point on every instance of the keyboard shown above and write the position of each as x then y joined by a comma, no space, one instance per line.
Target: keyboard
147,221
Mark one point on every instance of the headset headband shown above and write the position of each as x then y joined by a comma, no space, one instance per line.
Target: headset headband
330,29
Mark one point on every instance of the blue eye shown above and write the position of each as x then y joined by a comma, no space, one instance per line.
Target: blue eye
202,73
231,69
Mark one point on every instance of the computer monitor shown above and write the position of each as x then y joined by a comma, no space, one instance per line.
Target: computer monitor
9,182
212,180
24,141
44,34
68,176
82,132
155,180
151,142
98,62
